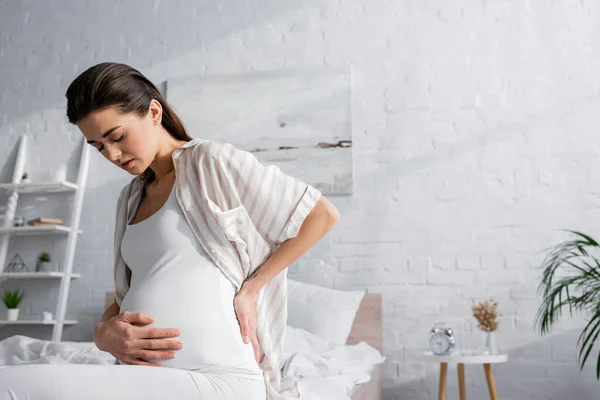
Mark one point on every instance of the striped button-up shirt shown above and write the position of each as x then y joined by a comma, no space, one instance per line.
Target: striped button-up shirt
240,211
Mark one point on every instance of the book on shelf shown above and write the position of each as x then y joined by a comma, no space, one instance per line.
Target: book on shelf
45,221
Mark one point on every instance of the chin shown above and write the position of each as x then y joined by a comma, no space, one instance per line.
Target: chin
136,170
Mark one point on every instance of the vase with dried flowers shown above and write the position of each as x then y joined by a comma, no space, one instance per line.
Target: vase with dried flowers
486,314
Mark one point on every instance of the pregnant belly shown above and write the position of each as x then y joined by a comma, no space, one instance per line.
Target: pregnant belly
202,310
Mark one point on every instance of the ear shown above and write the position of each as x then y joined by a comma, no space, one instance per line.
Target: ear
155,111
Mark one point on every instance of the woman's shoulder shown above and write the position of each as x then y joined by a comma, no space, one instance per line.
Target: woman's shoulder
204,151
209,146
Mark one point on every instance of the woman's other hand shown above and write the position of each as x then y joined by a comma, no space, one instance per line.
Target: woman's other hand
244,304
134,344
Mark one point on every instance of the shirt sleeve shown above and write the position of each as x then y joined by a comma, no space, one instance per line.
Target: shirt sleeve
121,209
277,203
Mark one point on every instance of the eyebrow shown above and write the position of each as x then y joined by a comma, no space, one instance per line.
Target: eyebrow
108,132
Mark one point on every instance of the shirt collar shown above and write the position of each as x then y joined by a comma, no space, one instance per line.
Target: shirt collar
143,177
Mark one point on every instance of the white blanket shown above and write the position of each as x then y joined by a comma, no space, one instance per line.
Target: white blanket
324,371
20,349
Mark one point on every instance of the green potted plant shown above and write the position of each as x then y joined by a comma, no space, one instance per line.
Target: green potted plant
43,264
12,299
571,280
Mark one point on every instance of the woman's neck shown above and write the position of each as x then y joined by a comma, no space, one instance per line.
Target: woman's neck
163,161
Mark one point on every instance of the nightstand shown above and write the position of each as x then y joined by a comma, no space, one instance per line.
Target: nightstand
466,358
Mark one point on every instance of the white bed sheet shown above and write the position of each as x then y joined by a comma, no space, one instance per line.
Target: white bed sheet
324,371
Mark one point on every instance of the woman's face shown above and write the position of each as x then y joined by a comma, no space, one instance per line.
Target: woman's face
126,140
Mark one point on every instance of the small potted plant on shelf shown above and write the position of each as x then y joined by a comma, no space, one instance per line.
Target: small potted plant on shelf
12,299
43,264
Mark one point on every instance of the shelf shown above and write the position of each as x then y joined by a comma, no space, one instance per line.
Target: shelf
56,189
36,230
40,187
34,322
36,275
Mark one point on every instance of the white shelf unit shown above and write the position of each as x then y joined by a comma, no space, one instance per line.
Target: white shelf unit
7,231
37,230
43,187
35,322
36,275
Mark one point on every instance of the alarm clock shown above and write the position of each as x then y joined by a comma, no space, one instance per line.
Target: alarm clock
442,340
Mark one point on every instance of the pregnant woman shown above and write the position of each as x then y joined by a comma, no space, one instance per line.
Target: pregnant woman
204,234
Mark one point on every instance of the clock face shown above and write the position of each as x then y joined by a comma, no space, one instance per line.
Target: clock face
439,343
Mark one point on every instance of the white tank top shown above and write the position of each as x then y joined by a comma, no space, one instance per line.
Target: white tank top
175,281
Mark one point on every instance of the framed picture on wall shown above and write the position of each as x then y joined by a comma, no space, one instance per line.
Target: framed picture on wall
297,119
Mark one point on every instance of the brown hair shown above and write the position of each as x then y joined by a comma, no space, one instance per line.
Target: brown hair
112,84
119,85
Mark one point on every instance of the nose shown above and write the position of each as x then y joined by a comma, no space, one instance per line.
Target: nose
113,154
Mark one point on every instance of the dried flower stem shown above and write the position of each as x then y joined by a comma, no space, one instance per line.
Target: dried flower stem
486,314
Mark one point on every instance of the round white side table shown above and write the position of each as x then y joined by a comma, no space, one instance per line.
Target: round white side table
461,360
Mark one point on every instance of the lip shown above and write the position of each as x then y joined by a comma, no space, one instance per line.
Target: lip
127,164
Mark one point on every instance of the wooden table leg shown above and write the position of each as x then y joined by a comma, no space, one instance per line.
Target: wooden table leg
490,381
443,374
462,390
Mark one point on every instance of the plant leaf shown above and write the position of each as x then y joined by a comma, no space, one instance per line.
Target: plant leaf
598,368
590,338
578,291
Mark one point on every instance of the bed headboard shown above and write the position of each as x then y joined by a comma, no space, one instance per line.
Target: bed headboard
367,323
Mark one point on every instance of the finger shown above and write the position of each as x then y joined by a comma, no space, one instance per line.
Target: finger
245,331
156,344
157,333
136,318
154,355
256,348
249,336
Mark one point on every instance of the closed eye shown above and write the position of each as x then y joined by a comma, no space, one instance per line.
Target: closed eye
119,139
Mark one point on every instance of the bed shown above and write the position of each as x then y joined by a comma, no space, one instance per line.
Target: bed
367,327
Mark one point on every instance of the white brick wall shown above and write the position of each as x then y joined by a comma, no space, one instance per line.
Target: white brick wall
474,137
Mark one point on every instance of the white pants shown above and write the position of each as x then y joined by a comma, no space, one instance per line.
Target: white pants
127,382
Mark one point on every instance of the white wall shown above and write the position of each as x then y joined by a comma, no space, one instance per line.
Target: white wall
474,136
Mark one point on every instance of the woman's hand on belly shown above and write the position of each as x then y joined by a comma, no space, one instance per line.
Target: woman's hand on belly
128,340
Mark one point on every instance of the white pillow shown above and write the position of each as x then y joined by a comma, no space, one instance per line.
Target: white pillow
297,339
327,313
